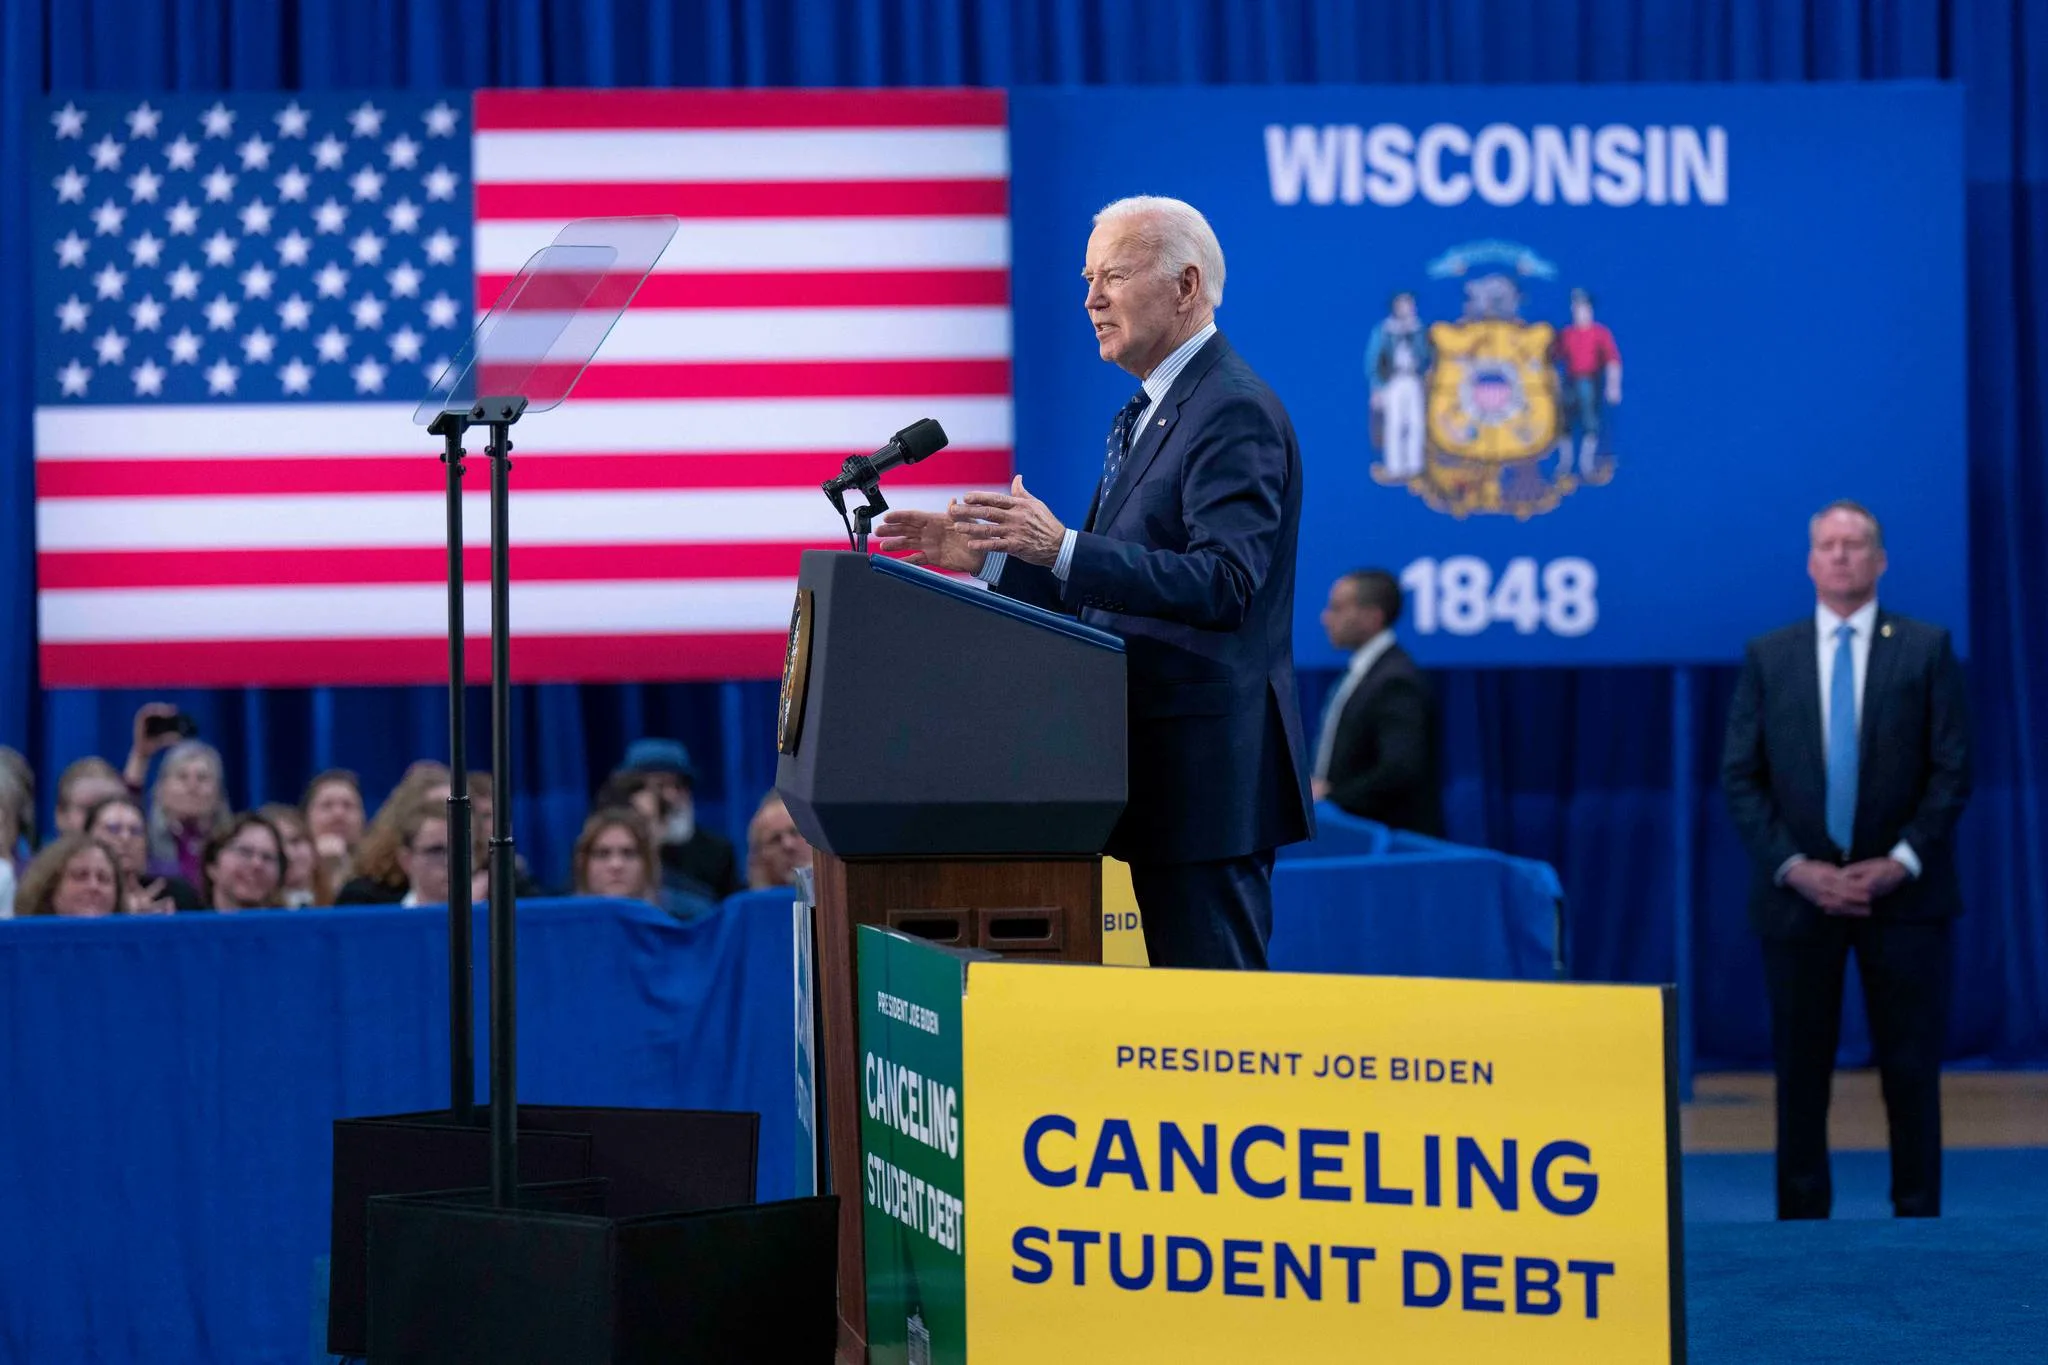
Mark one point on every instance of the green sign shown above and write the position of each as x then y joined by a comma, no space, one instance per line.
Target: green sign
911,1137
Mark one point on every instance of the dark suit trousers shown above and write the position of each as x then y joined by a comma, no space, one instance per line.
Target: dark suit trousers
1905,972
1215,914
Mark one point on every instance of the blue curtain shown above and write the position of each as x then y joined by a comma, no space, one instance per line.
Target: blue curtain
1575,767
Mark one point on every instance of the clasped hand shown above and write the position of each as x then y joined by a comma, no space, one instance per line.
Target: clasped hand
972,527
1846,890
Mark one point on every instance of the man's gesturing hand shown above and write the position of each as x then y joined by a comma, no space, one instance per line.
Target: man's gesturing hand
1014,522
932,537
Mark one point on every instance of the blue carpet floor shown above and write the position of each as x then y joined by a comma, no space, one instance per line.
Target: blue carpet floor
1865,1288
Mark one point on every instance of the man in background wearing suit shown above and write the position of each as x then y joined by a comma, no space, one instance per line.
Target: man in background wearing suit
1187,552
1847,763
1376,755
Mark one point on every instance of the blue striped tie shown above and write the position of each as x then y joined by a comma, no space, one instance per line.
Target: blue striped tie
1120,437
1842,755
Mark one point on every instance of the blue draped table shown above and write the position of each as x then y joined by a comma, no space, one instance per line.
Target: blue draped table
167,1086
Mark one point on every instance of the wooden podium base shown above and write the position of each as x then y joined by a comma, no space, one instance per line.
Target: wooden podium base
1045,908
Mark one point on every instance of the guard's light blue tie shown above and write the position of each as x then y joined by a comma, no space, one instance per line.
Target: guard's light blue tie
1120,434
1842,756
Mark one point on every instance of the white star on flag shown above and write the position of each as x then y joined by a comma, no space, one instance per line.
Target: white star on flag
332,344
330,217
367,120
440,120
369,376
404,216
70,249
441,311
220,249
149,378
106,154
294,313
294,248
182,155
219,120
291,120
441,248
402,152
146,250
111,346
220,186
331,281
220,314
258,347
69,121
256,216
107,218
405,345
183,217
70,186
328,152
147,313
367,183
143,185
184,282
404,281
72,314
110,282
296,376
256,282
142,120
368,248
369,312
255,154
221,376
291,186
185,347
74,377
441,183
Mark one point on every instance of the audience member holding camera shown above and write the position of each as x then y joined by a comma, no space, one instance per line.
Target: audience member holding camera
76,877
188,805
118,823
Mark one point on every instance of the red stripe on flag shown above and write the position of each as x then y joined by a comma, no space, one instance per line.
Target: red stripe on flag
319,663
770,379
770,199
128,569
806,289
288,475
620,110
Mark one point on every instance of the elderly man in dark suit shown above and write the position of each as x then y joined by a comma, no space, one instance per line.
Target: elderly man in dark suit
1847,764
1376,753
1187,551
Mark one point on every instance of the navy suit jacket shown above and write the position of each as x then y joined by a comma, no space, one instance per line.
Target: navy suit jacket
1913,768
1190,558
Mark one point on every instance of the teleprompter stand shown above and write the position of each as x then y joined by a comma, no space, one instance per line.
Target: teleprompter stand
552,1235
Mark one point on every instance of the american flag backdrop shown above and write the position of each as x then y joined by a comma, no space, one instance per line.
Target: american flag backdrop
240,300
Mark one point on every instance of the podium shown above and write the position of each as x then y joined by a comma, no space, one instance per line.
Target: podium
957,759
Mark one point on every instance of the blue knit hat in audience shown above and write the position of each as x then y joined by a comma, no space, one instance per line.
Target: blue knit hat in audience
659,756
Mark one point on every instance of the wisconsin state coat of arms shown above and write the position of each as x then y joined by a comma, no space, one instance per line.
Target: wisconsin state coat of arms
1492,412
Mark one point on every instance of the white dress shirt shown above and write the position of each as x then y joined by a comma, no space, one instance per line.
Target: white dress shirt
1862,624
1362,660
1157,384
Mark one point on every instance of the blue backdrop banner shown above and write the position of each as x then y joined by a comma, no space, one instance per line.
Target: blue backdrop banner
1575,364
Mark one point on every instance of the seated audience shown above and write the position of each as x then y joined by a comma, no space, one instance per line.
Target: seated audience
243,864
701,854
82,786
378,877
76,876
615,857
12,762
418,873
481,809
187,807
305,876
774,848
14,803
333,810
118,823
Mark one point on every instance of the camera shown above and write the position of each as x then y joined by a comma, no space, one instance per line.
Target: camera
178,723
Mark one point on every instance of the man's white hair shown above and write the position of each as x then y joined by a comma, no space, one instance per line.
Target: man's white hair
1178,235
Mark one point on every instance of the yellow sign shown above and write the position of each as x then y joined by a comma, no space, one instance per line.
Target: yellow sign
1230,1167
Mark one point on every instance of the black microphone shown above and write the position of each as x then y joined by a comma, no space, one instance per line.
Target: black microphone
915,442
